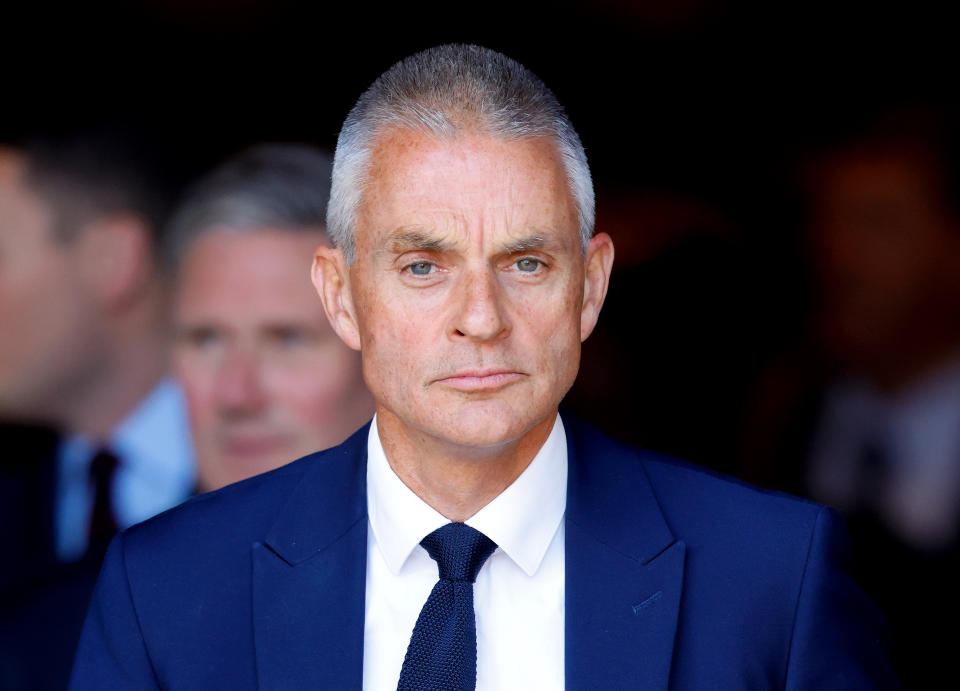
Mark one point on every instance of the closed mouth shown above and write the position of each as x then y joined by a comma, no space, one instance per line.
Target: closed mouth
481,380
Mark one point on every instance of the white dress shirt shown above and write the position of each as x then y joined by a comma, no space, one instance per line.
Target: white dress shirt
519,592
919,432
156,470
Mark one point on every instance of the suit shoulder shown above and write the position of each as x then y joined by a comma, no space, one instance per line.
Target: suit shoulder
706,490
674,473
699,505
704,506
235,515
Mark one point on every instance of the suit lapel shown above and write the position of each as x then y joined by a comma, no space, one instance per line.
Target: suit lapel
624,574
624,570
309,578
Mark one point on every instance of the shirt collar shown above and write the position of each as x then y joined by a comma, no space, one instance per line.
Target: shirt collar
522,519
146,434
153,439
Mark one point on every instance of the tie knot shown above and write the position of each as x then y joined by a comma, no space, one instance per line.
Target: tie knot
103,465
459,551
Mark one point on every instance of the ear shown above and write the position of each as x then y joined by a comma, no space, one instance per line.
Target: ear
596,280
332,281
116,259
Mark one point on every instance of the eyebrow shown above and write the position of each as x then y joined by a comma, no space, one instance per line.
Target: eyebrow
412,239
408,239
531,242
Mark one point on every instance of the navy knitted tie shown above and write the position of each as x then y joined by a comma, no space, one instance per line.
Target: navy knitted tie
442,655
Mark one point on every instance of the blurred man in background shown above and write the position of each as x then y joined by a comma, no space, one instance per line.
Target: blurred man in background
267,379
885,246
885,241
865,415
84,351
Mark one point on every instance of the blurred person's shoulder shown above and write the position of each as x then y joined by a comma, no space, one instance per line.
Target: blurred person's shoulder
228,521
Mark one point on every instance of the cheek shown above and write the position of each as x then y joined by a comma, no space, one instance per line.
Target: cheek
393,345
388,365
196,376
555,340
18,320
38,309
200,403
550,322
317,392
50,330
560,354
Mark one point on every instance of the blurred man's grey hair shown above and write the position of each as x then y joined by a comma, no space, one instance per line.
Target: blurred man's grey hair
276,186
443,92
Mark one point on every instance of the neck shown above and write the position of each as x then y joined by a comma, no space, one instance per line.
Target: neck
137,360
97,412
456,480
912,362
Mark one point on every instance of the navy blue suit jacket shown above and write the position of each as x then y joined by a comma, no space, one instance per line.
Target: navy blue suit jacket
675,578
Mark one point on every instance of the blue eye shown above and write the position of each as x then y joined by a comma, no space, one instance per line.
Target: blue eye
528,265
421,268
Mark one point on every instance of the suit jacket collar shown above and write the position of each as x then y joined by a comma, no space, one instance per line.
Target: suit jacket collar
330,499
624,569
609,494
624,572
309,577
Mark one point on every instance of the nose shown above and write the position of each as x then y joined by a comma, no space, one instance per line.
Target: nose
479,311
238,387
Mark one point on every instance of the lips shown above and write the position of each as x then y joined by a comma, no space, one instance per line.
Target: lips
253,445
481,380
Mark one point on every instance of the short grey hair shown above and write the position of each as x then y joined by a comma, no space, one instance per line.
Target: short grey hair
445,91
279,186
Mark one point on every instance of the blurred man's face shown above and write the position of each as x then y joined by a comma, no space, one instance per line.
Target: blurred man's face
266,378
468,286
885,255
48,317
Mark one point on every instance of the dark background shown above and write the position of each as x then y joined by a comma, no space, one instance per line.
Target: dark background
698,94
692,113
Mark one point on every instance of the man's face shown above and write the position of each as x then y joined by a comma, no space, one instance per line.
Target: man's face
266,378
886,258
468,286
51,333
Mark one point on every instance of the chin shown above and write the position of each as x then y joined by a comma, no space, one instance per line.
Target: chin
486,425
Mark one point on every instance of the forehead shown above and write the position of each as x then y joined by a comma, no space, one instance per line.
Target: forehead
866,174
249,272
11,165
13,188
464,184
22,213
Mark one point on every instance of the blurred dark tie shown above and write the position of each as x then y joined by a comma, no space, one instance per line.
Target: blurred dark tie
103,525
874,466
442,655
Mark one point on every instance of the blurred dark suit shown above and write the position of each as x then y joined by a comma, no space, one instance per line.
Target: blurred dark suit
42,602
